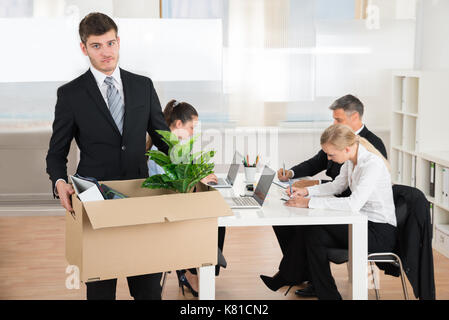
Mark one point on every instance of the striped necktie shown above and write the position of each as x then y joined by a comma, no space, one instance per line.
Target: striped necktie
115,102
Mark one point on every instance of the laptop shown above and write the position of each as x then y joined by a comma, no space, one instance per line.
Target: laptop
232,174
257,199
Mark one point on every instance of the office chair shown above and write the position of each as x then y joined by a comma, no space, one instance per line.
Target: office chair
339,256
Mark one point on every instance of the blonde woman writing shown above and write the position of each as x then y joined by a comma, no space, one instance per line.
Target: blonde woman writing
366,172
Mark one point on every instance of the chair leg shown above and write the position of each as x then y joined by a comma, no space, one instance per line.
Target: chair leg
404,284
376,287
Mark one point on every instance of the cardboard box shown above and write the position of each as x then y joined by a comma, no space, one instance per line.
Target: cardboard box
155,230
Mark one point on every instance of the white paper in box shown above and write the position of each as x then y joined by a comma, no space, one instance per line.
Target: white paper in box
86,190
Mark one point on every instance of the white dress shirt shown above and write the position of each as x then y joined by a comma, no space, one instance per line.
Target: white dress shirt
371,189
99,78
361,128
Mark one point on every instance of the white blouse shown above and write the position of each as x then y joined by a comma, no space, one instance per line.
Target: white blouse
371,189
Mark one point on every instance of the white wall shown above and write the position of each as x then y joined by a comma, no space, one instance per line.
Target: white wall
432,49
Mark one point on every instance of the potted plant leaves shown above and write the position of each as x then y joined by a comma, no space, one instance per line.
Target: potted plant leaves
183,169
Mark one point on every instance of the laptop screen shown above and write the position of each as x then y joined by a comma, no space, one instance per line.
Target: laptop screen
234,168
264,185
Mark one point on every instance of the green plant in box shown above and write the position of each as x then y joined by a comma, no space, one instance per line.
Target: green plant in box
183,169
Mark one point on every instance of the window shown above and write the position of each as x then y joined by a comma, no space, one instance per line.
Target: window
248,62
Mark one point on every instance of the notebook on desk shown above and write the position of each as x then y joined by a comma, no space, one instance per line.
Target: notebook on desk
284,184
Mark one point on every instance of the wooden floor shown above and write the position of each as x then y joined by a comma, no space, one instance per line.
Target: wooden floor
32,265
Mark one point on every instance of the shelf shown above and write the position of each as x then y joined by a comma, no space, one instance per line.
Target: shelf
414,130
440,157
407,73
415,115
402,149
446,208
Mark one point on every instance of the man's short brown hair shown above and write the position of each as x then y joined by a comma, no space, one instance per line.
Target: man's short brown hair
96,23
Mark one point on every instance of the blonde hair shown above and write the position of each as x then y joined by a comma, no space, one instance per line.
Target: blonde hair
342,136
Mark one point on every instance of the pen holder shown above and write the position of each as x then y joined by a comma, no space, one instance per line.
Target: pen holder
250,174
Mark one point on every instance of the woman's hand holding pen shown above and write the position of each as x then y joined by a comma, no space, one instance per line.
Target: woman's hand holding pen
297,192
297,197
299,202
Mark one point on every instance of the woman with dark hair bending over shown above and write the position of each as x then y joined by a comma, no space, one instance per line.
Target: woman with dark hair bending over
182,118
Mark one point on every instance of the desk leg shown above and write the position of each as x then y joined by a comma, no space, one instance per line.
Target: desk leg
206,283
358,260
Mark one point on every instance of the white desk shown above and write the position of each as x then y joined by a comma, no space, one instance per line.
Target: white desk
274,212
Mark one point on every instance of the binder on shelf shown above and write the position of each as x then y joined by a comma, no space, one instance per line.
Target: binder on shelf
445,191
432,179
413,178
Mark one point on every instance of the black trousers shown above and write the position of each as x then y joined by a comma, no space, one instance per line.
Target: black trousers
291,240
382,237
143,287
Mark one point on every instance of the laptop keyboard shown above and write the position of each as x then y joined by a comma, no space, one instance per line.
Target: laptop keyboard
245,201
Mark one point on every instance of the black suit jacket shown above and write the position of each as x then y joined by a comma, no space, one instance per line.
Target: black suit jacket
319,162
105,154
414,245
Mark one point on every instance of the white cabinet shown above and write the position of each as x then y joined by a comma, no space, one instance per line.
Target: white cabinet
420,142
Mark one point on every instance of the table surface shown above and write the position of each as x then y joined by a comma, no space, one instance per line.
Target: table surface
275,212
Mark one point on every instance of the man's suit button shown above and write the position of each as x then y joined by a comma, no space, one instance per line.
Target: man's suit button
123,148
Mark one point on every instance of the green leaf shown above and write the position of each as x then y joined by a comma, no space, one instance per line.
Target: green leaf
170,171
168,137
156,182
159,157
194,182
179,185
182,169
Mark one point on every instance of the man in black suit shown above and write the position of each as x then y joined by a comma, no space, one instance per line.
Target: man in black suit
108,111
346,110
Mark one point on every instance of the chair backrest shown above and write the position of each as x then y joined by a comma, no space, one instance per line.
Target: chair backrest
401,209
414,245
405,197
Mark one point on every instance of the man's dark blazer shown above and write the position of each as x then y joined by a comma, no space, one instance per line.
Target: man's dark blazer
105,154
320,162
414,245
